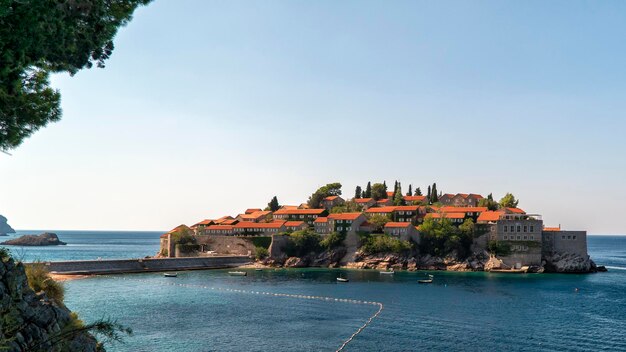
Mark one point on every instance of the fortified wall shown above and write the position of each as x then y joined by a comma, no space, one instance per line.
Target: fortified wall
570,242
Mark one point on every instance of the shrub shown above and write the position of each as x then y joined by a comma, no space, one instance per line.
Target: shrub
302,243
261,241
4,254
39,280
261,253
439,237
385,244
188,247
183,236
499,248
333,240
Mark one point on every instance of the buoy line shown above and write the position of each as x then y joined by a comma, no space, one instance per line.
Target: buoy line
272,294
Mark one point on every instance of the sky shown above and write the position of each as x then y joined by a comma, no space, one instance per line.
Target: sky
207,108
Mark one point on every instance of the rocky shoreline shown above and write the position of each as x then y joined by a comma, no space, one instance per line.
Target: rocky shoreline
556,263
45,239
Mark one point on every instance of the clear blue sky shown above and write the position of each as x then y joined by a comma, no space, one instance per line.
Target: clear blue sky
209,107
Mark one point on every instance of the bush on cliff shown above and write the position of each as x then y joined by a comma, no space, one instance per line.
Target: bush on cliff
303,242
385,244
261,253
183,236
499,248
39,280
333,240
439,237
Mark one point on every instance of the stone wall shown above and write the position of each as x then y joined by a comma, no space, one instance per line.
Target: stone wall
277,248
227,245
145,265
571,242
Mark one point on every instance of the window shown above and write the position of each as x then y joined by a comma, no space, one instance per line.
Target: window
525,237
519,228
349,228
512,228
569,237
339,228
506,237
506,228
519,237
573,237
525,228
532,228
532,237
562,237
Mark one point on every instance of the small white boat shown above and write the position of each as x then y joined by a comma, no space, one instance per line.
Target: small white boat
341,279
170,275
387,272
258,269
237,273
426,281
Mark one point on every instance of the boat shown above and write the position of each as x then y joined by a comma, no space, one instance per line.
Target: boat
341,279
170,275
237,273
258,269
522,270
426,281
391,272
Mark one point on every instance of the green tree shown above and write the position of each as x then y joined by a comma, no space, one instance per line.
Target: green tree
385,185
357,192
38,38
347,207
434,198
379,191
410,191
489,203
398,199
385,244
418,191
333,240
395,187
368,190
428,195
273,204
509,201
331,189
303,242
378,222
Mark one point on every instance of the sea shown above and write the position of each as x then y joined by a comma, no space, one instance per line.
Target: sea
308,310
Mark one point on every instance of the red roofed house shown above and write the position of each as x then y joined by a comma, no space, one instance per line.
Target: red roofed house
365,203
470,212
245,228
320,225
384,202
332,201
456,218
403,230
414,199
295,225
252,210
257,216
345,222
460,199
306,215
221,230
407,213
489,217
388,210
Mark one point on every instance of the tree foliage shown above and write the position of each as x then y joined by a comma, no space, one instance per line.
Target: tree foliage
378,222
410,191
333,240
509,201
39,280
439,237
273,204
39,37
347,207
368,191
418,191
331,189
379,191
489,203
398,198
357,192
385,244
303,242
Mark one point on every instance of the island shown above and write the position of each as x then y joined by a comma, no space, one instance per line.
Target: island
45,239
5,228
389,230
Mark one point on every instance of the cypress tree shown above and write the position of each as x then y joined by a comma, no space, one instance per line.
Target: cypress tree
357,192
434,195
410,192
368,190
418,192
273,204
428,195
395,187
385,185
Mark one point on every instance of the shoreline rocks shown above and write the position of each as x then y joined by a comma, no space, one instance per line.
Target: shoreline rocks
45,239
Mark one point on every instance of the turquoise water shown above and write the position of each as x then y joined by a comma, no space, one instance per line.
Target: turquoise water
84,245
459,312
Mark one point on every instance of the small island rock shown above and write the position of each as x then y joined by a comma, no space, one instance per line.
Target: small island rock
45,239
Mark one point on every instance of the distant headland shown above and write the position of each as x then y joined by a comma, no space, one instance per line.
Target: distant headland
385,229
4,227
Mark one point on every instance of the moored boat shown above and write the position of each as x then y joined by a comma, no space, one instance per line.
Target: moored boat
426,281
170,275
237,273
391,272
341,279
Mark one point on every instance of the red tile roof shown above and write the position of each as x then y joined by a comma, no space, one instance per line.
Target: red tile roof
344,216
380,210
222,219
363,200
446,215
551,229
229,222
220,227
294,223
203,222
390,194
329,198
516,210
255,215
252,210
450,209
260,225
487,216
407,208
414,198
179,227
398,224
299,211
321,220
386,200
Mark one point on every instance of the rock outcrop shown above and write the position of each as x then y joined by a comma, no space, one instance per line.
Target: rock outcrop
30,321
387,261
4,226
569,263
45,239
